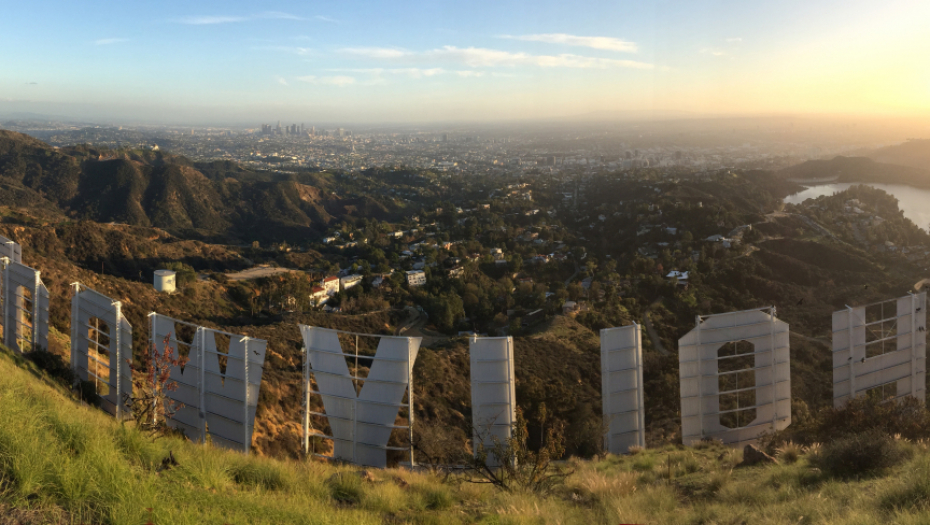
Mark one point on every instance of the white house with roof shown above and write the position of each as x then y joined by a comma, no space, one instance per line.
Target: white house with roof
349,281
416,277
330,285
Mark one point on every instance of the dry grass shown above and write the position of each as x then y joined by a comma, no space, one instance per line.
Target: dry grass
61,463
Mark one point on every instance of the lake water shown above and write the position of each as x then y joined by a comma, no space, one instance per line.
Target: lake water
914,201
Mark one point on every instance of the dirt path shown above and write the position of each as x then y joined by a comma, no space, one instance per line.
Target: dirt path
257,272
653,336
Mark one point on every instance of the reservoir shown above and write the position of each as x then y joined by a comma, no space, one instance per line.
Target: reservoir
914,201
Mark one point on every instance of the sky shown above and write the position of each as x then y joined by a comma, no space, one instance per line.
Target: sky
495,61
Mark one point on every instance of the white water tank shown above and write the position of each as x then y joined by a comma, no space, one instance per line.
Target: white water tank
165,281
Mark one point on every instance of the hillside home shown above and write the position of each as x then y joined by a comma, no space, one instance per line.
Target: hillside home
330,285
318,296
416,278
349,281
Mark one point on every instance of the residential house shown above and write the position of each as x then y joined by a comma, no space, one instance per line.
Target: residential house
416,277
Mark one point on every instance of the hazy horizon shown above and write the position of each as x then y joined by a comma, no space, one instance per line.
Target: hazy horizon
419,63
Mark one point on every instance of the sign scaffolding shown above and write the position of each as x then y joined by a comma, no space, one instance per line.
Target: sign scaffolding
735,377
101,346
493,398
880,350
25,308
361,411
10,250
622,388
218,386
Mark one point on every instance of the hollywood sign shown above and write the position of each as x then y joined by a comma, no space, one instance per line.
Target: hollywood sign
734,370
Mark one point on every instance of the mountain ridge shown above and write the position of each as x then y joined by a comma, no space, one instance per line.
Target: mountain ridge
144,188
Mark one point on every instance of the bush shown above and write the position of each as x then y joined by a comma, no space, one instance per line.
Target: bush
869,452
345,487
908,417
788,453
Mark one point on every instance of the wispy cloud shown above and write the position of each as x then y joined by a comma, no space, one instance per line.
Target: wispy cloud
210,20
108,41
278,15
326,19
713,52
338,80
281,80
32,83
594,42
734,40
376,52
230,19
482,57
413,72
294,50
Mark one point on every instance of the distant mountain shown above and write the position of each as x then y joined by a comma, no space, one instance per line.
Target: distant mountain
913,153
856,169
218,200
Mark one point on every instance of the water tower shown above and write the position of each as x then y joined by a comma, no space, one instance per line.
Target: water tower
165,281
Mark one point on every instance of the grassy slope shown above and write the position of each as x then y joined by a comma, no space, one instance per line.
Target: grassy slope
62,463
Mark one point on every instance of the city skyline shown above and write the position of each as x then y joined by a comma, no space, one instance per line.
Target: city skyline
364,62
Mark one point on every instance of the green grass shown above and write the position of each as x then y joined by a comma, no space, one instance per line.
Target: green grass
64,463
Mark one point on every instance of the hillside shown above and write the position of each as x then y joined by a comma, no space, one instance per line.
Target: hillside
859,169
914,153
143,188
61,462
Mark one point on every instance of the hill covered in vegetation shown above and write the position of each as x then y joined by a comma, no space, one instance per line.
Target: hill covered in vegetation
914,153
878,169
218,201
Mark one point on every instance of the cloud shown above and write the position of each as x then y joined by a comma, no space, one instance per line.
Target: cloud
338,80
594,42
32,83
281,80
713,52
734,40
108,41
326,19
470,74
278,15
482,57
376,52
302,51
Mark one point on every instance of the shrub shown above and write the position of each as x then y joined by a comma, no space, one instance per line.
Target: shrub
908,417
438,498
345,487
864,453
788,453
259,473
511,465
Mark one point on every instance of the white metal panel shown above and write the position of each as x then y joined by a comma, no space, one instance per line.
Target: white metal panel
11,250
87,304
622,388
854,373
361,424
189,416
25,324
218,402
699,374
493,398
